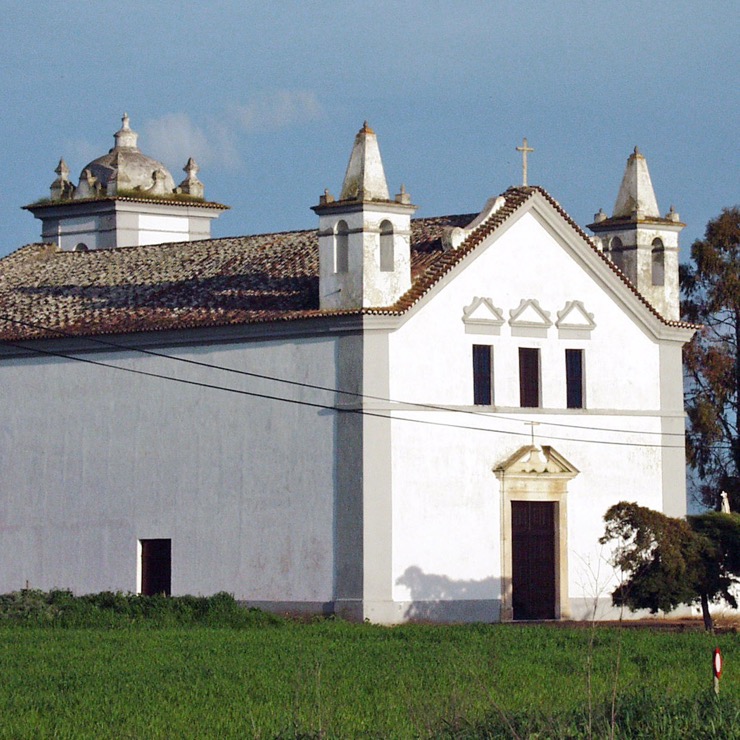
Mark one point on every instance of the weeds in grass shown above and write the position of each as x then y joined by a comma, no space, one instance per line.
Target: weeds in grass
640,715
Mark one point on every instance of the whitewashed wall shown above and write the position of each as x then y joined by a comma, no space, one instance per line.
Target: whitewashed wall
95,459
446,511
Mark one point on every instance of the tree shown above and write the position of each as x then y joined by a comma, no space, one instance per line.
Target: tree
667,562
710,287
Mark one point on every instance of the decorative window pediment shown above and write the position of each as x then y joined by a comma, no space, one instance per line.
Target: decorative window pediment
529,319
574,321
482,317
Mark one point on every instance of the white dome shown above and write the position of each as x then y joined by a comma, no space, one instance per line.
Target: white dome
126,165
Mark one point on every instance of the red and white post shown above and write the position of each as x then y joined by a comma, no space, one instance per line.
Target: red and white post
717,668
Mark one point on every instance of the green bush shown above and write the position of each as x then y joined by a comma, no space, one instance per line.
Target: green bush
61,608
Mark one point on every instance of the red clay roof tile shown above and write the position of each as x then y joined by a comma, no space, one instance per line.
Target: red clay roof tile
46,293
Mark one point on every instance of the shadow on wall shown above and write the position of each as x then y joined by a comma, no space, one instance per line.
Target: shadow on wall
440,598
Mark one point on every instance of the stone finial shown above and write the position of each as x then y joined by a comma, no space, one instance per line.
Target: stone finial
600,216
62,170
327,197
403,196
191,185
62,188
125,138
672,215
89,186
119,179
365,176
159,184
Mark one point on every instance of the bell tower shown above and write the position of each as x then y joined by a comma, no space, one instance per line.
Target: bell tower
639,241
364,237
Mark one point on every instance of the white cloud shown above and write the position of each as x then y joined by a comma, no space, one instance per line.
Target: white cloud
174,137
279,109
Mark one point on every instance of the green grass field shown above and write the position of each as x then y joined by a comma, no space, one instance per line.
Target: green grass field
268,678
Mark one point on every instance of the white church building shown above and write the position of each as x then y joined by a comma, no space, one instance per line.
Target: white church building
387,418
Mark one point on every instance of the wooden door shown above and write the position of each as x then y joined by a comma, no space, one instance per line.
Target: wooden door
533,559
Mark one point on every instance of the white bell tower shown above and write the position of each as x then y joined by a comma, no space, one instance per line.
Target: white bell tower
364,237
642,244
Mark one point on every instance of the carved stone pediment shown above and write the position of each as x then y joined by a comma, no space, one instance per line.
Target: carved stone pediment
482,317
529,319
538,461
574,321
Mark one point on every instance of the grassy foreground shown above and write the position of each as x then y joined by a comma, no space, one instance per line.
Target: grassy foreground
147,673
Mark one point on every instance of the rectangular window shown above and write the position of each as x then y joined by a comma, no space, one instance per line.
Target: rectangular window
482,374
156,567
574,378
529,377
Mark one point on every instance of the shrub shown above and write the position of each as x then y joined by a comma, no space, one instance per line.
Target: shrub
61,608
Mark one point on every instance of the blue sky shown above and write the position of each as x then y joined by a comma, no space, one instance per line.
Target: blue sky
268,97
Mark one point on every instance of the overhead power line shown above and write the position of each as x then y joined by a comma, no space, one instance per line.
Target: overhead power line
328,389
326,407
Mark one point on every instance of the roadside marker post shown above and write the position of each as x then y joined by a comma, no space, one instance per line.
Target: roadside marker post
717,668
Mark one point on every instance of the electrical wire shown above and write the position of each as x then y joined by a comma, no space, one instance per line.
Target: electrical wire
328,389
325,407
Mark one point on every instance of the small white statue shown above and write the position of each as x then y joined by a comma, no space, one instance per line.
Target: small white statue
725,505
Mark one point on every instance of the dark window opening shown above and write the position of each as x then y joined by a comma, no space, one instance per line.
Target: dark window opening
529,377
482,374
616,249
386,247
341,248
156,567
658,262
574,378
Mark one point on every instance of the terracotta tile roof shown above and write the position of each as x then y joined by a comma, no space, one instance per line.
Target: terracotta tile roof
46,293
215,282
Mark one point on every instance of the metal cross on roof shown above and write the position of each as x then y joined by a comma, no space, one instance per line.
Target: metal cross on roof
524,149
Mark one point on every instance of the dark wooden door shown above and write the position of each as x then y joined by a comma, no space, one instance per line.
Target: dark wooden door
156,567
533,559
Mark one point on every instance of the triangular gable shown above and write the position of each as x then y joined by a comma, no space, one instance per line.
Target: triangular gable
482,317
535,200
529,319
574,322
535,460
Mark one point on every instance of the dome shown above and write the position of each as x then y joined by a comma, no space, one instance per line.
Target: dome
126,168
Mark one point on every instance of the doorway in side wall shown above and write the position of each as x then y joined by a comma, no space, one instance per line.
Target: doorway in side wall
156,567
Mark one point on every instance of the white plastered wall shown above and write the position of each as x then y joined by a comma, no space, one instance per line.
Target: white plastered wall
95,460
446,525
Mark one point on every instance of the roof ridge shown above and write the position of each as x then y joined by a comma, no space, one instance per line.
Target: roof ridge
442,266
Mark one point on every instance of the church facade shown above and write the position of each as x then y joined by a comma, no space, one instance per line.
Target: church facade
386,418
